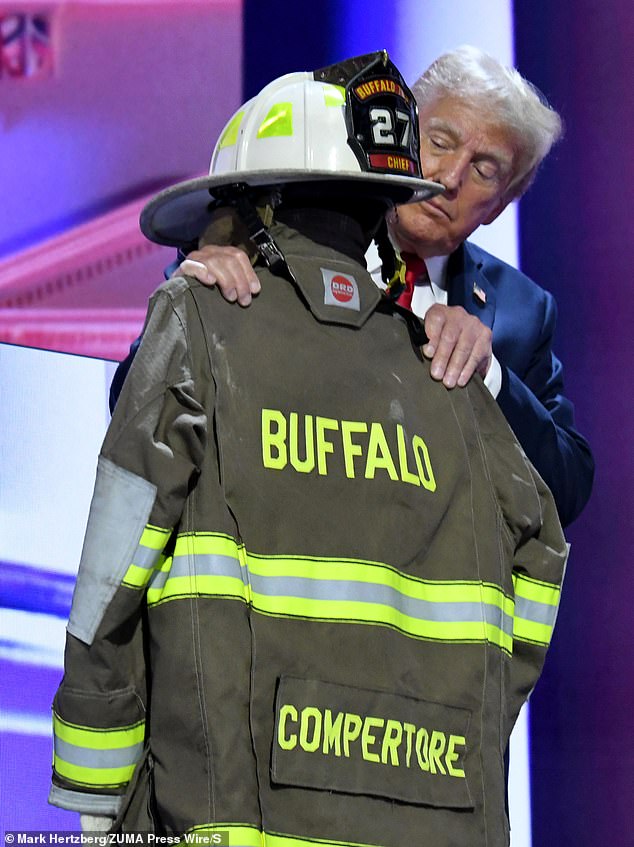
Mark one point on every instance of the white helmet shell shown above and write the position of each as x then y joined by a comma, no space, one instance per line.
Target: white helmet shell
295,121
303,129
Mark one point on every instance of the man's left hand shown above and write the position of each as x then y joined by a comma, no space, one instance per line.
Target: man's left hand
459,345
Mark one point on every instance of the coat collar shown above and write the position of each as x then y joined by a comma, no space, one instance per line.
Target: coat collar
467,285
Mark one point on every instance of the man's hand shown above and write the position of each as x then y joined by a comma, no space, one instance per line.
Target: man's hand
227,267
459,345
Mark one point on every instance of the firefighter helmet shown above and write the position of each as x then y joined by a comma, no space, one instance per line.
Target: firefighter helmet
354,122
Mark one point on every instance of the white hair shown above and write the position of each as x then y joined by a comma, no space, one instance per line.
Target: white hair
505,98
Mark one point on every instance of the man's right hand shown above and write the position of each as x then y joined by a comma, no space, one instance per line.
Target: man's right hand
459,345
227,267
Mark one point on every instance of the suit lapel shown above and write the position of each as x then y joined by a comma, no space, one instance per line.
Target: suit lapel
467,286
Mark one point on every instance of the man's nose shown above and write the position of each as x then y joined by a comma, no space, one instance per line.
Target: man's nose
452,170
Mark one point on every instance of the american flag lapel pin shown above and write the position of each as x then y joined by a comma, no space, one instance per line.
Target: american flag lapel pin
479,293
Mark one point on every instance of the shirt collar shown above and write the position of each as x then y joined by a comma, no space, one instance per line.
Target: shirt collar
437,270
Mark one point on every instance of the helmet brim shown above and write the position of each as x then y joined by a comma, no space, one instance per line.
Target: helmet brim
178,215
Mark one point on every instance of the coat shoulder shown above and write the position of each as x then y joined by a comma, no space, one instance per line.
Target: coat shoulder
507,280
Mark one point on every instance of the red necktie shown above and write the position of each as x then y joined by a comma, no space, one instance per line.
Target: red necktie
414,270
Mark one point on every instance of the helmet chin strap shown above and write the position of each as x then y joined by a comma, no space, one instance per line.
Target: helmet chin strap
392,266
238,195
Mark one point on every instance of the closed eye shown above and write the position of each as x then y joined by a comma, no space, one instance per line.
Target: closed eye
486,169
439,142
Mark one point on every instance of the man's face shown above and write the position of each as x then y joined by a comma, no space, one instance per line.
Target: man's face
474,159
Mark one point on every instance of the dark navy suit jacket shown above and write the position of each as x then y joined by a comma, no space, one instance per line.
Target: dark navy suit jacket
522,318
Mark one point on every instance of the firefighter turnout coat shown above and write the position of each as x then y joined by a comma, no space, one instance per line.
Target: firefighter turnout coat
316,586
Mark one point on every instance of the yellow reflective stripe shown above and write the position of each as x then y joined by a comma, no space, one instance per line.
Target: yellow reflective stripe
536,604
347,570
154,537
147,556
243,835
495,596
98,739
209,543
329,568
279,121
374,613
329,610
230,135
138,577
334,95
239,834
92,757
536,633
91,777
196,585
357,591
536,590
272,839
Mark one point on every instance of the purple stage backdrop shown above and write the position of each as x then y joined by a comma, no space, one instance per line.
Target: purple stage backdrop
577,239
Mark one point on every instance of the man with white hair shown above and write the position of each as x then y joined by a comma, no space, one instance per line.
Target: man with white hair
484,132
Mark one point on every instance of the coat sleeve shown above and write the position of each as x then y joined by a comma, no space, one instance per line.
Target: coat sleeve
150,458
542,418
534,545
124,366
539,567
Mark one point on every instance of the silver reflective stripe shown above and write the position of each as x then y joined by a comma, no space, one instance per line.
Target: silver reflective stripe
120,509
384,595
85,757
145,557
531,610
372,593
198,564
